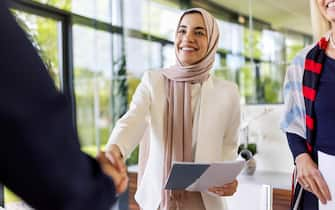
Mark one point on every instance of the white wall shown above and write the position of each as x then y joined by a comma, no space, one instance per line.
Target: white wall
273,150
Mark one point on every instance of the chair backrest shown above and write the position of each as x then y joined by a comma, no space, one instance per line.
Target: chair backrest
251,197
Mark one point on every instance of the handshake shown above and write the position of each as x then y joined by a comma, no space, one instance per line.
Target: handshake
113,165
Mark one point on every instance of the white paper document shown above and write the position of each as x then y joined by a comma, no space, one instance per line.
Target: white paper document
326,167
201,176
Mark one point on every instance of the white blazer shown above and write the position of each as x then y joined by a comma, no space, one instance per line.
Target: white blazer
217,138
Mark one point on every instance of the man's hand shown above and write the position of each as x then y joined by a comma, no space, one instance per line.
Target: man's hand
117,172
225,190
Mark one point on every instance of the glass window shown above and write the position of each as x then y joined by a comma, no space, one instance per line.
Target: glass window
146,56
272,45
271,81
231,37
169,56
158,19
100,10
92,81
294,43
252,46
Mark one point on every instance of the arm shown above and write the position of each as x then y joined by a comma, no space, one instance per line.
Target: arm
130,129
308,174
40,157
297,144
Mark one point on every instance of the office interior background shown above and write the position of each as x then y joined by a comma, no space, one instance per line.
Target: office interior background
97,50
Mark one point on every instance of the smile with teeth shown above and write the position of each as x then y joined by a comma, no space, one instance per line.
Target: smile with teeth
331,4
188,49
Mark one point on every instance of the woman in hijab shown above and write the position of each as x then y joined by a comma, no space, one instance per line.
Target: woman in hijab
309,116
190,116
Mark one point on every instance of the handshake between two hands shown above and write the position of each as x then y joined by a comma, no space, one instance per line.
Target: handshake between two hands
113,165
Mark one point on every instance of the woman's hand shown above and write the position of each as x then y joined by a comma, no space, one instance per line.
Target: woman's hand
225,190
113,154
310,178
120,178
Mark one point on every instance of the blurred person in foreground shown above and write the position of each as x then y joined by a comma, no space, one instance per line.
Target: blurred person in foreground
40,157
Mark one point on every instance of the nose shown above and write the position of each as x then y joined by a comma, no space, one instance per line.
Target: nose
188,37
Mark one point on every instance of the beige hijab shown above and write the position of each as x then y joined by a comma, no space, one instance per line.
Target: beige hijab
178,113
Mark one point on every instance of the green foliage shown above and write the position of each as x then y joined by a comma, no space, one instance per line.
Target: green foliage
10,196
292,51
62,4
271,90
252,147
133,82
133,158
247,83
119,91
256,40
44,38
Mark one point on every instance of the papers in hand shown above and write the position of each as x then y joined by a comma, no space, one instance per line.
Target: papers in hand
326,165
201,176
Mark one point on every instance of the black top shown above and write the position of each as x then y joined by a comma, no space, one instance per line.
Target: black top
40,157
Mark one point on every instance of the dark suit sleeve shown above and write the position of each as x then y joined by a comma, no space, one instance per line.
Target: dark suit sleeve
40,158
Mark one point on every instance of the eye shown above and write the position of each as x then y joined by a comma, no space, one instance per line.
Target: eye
181,31
199,33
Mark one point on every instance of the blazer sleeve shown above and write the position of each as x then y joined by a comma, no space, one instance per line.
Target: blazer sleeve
40,157
231,137
131,127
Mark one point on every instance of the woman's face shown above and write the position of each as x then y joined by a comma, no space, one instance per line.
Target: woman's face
327,8
191,40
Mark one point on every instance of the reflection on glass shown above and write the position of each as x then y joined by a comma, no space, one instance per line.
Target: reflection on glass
147,56
232,41
44,33
98,9
294,43
247,83
92,78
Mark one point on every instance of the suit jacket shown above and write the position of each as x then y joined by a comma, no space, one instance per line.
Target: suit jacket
40,157
217,136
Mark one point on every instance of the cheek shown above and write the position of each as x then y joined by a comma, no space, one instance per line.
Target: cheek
204,47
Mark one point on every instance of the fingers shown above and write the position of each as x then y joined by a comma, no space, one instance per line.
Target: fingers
120,178
311,179
225,190
122,187
323,186
114,155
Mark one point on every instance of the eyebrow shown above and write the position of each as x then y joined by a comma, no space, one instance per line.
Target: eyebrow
196,28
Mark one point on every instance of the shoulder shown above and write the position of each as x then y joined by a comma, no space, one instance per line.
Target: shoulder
152,77
299,59
225,85
296,68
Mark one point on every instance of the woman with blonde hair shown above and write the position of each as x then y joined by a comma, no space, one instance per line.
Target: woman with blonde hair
191,116
309,117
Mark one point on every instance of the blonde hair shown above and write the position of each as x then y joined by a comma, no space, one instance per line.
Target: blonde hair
320,25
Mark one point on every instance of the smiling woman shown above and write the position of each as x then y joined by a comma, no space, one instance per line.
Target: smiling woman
191,39
190,115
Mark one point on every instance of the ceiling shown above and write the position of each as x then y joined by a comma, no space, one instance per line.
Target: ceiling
282,14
